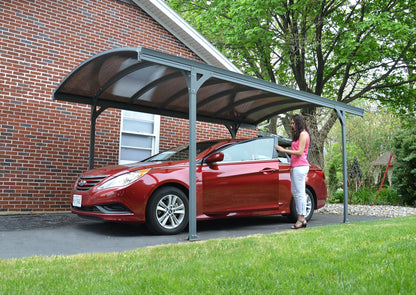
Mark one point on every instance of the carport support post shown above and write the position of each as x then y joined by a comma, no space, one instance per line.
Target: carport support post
94,115
192,236
193,86
342,119
92,138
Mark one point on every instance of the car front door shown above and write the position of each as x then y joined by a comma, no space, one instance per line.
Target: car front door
246,179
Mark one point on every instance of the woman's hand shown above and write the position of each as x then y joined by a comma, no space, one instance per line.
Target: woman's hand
279,148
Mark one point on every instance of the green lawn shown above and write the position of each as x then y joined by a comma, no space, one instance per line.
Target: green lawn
375,257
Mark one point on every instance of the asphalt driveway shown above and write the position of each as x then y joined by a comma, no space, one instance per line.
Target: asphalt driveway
67,234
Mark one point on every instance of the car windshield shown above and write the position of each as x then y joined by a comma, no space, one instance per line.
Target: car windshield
180,153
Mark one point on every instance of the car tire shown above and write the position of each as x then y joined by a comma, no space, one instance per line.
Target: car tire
167,211
310,207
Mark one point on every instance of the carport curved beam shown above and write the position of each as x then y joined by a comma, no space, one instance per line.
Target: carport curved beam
184,91
154,84
121,75
293,106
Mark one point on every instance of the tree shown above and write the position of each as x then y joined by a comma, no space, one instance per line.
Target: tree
342,50
404,171
355,173
332,179
368,138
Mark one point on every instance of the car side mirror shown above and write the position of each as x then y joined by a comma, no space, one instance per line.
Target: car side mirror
216,157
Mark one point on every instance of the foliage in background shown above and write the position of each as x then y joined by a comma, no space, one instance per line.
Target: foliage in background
342,50
332,178
355,175
336,197
389,196
404,171
368,196
367,139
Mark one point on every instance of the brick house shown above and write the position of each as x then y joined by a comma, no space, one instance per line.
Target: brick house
44,143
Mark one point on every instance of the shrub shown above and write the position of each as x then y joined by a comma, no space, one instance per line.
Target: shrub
337,197
389,196
367,196
363,196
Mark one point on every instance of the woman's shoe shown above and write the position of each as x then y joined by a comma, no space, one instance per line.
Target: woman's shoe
303,224
296,227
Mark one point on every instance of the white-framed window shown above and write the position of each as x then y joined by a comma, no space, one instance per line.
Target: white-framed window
139,136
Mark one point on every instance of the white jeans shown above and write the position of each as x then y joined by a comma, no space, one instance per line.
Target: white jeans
298,187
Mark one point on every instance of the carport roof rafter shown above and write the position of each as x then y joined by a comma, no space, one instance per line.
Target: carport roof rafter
145,80
149,81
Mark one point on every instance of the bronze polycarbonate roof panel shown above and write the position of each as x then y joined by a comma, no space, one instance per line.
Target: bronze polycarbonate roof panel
149,81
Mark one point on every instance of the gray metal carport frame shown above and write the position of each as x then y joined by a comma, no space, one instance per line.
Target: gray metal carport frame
146,80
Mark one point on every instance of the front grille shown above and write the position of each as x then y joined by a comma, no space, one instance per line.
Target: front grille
93,209
85,183
114,208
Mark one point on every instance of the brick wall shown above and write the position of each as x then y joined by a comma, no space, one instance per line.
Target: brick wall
43,143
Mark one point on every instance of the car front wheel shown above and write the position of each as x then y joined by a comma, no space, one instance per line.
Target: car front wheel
167,211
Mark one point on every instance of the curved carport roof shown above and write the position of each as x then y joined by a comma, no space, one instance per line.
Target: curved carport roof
145,80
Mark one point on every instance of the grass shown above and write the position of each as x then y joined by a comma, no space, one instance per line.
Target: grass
375,257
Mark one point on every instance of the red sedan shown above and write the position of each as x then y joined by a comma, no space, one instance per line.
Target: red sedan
235,178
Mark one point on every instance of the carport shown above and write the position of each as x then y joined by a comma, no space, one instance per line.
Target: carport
144,80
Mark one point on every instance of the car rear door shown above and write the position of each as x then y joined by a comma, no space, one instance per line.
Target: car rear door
246,180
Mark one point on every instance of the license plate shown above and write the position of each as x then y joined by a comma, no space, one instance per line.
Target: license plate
76,200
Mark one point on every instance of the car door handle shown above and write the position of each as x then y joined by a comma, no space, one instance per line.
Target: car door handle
268,170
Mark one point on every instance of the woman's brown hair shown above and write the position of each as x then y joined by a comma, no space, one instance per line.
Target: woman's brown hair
300,125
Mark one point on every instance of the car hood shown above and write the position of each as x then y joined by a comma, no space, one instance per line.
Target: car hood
119,169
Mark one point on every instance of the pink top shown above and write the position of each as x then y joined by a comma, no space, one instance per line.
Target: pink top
297,161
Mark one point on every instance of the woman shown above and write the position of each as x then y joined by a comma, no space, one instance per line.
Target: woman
299,166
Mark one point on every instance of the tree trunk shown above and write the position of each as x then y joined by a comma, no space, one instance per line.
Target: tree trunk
272,125
318,134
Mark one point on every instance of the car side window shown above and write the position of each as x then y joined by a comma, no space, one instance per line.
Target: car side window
236,153
263,149
258,149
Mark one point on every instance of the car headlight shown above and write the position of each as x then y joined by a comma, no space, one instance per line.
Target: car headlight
124,179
